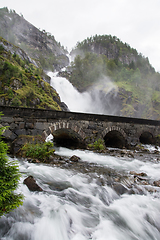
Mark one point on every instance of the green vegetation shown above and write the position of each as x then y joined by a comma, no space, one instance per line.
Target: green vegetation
9,178
86,71
97,145
21,83
115,50
105,57
40,151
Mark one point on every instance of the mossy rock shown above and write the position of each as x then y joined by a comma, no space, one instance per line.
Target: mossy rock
21,140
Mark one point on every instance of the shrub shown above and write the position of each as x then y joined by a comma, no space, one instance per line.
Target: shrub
1,48
41,151
98,145
16,102
9,178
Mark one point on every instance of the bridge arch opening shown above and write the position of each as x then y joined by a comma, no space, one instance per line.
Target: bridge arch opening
68,138
114,138
146,138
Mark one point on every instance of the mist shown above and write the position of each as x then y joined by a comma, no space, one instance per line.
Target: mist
91,101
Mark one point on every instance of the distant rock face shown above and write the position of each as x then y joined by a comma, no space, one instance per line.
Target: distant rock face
13,49
39,45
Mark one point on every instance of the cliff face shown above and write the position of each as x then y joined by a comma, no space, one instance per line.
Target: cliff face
39,45
22,83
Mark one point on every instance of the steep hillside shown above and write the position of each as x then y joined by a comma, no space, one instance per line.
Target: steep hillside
113,49
21,83
39,45
124,80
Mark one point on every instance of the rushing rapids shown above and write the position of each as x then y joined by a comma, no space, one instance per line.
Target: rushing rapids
96,197
80,201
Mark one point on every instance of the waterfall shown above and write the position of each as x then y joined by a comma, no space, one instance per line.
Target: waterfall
87,102
76,102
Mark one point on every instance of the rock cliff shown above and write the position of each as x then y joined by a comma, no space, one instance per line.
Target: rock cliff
39,45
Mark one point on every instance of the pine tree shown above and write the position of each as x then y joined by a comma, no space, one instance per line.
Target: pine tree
9,178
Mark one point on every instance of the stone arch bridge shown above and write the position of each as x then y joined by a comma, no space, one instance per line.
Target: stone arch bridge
78,129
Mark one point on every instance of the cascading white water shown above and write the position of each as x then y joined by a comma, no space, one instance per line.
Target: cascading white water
75,206
86,102
70,96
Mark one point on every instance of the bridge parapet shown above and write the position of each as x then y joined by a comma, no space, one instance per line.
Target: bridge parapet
84,127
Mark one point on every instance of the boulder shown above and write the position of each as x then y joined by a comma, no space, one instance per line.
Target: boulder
142,174
74,158
119,188
30,182
156,183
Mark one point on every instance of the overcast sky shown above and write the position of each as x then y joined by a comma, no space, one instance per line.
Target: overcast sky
136,22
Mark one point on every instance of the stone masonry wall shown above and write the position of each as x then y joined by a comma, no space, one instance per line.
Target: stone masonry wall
89,127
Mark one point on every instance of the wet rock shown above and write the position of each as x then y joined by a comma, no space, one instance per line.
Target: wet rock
139,180
30,182
122,153
156,152
100,182
156,183
74,158
142,174
59,186
51,158
35,161
130,154
131,191
30,160
151,190
119,188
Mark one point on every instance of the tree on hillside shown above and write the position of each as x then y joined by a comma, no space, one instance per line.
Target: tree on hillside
9,178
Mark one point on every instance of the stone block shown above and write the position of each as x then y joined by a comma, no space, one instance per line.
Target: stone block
9,135
7,119
13,126
35,132
21,132
41,126
18,119
29,125
21,125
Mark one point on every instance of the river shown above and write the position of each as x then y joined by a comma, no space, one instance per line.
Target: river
79,200
101,196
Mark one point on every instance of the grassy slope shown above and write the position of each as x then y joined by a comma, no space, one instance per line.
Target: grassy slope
21,83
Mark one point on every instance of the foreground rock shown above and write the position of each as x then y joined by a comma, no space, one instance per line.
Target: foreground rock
156,183
74,158
30,182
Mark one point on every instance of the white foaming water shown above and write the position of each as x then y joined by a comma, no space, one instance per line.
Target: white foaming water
76,101
73,206
152,169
